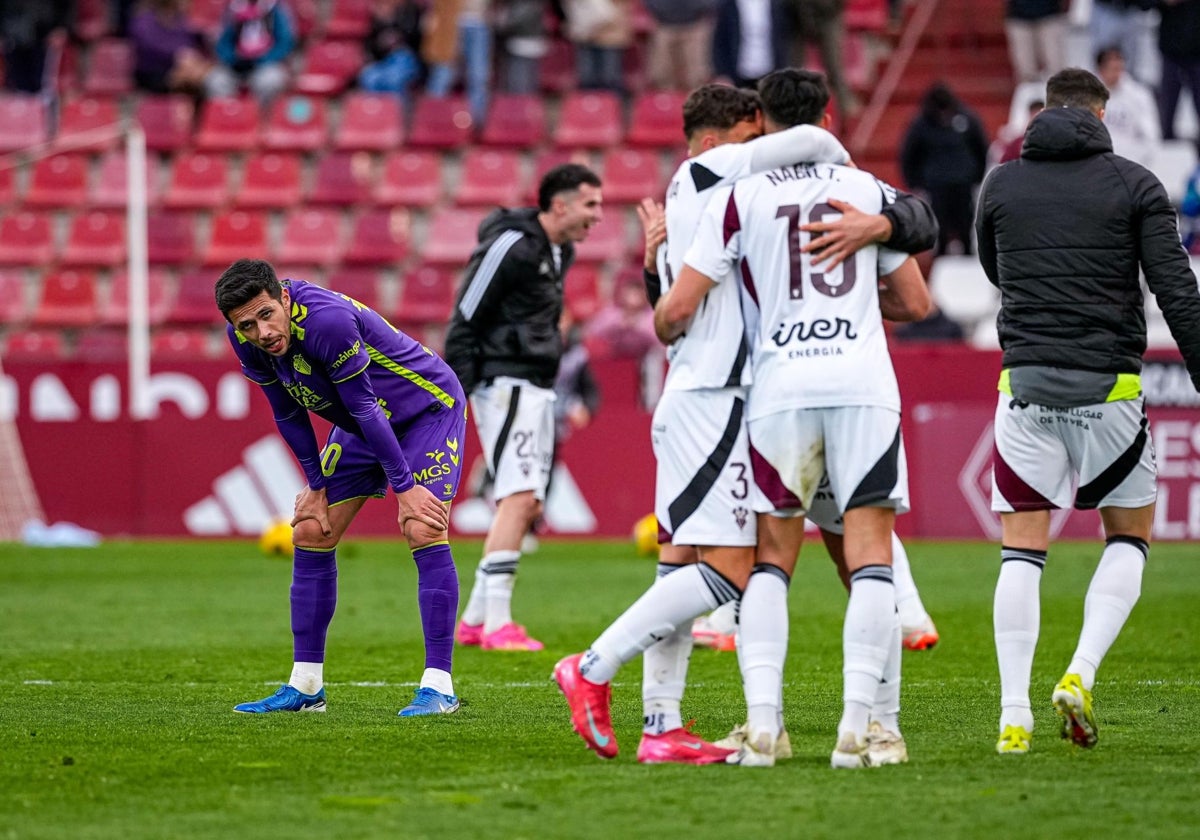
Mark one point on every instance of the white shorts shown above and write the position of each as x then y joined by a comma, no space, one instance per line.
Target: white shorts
703,481
1042,453
857,450
515,421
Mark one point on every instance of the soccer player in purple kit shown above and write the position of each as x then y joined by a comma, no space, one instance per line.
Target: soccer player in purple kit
399,417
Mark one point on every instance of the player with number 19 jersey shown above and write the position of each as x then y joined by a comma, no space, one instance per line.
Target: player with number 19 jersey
818,337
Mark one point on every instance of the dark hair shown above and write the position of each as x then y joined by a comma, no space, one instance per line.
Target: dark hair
564,178
1075,88
1109,52
794,97
939,103
719,107
243,281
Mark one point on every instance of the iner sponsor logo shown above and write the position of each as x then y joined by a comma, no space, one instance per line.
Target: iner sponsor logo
822,329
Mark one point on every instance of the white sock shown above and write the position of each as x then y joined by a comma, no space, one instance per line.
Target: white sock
672,602
870,615
500,569
473,612
1115,588
1016,620
724,618
908,599
307,677
886,708
762,647
664,675
438,680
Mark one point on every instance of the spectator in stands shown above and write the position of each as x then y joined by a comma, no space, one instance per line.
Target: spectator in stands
1011,149
601,30
1131,115
824,22
624,327
26,30
750,40
257,36
1120,23
1189,214
1179,42
520,29
460,31
936,326
168,52
944,155
680,53
1036,38
393,46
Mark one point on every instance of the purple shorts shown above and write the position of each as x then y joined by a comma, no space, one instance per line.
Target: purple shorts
432,443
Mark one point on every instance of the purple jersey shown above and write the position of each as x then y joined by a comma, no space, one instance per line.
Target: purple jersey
347,364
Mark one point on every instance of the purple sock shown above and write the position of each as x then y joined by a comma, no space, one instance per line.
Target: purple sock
437,596
314,596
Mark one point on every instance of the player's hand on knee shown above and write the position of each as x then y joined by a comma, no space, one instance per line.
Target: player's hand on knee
420,504
313,504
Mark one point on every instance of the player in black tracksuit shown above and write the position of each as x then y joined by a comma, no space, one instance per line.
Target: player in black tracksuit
1062,232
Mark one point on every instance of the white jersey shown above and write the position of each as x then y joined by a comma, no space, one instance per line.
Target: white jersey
713,352
818,338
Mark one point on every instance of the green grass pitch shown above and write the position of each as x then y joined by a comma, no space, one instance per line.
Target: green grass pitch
119,667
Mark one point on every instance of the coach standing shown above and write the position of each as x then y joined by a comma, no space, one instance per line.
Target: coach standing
504,344
1062,232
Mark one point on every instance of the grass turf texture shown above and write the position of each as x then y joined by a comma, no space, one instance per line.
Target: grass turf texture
121,665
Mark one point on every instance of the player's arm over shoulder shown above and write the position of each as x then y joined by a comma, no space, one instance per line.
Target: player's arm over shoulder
903,293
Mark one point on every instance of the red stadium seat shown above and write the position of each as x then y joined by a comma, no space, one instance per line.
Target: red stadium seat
490,177
109,67
111,189
606,241
589,120
40,345
270,180
90,124
295,124
228,125
453,235
311,237
14,303
58,181
235,236
68,299
22,121
441,123
380,237
306,15
96,238
26,239
181,344
866,15
194,302
8,192
657,120
329,67
116,310
171,238
205,15
343,179
427,296
167,121
102,344
515,121
358,282
197,180
370,122
348,19
581,291
631,175
410,179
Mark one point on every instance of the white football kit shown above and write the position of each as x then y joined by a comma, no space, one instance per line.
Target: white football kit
824,395
702,487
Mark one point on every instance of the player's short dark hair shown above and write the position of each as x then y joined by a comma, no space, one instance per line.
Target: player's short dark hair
1075,88
719,107
792,96
564,178
243,281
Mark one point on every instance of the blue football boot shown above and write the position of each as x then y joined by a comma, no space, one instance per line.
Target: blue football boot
430,701
286,699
